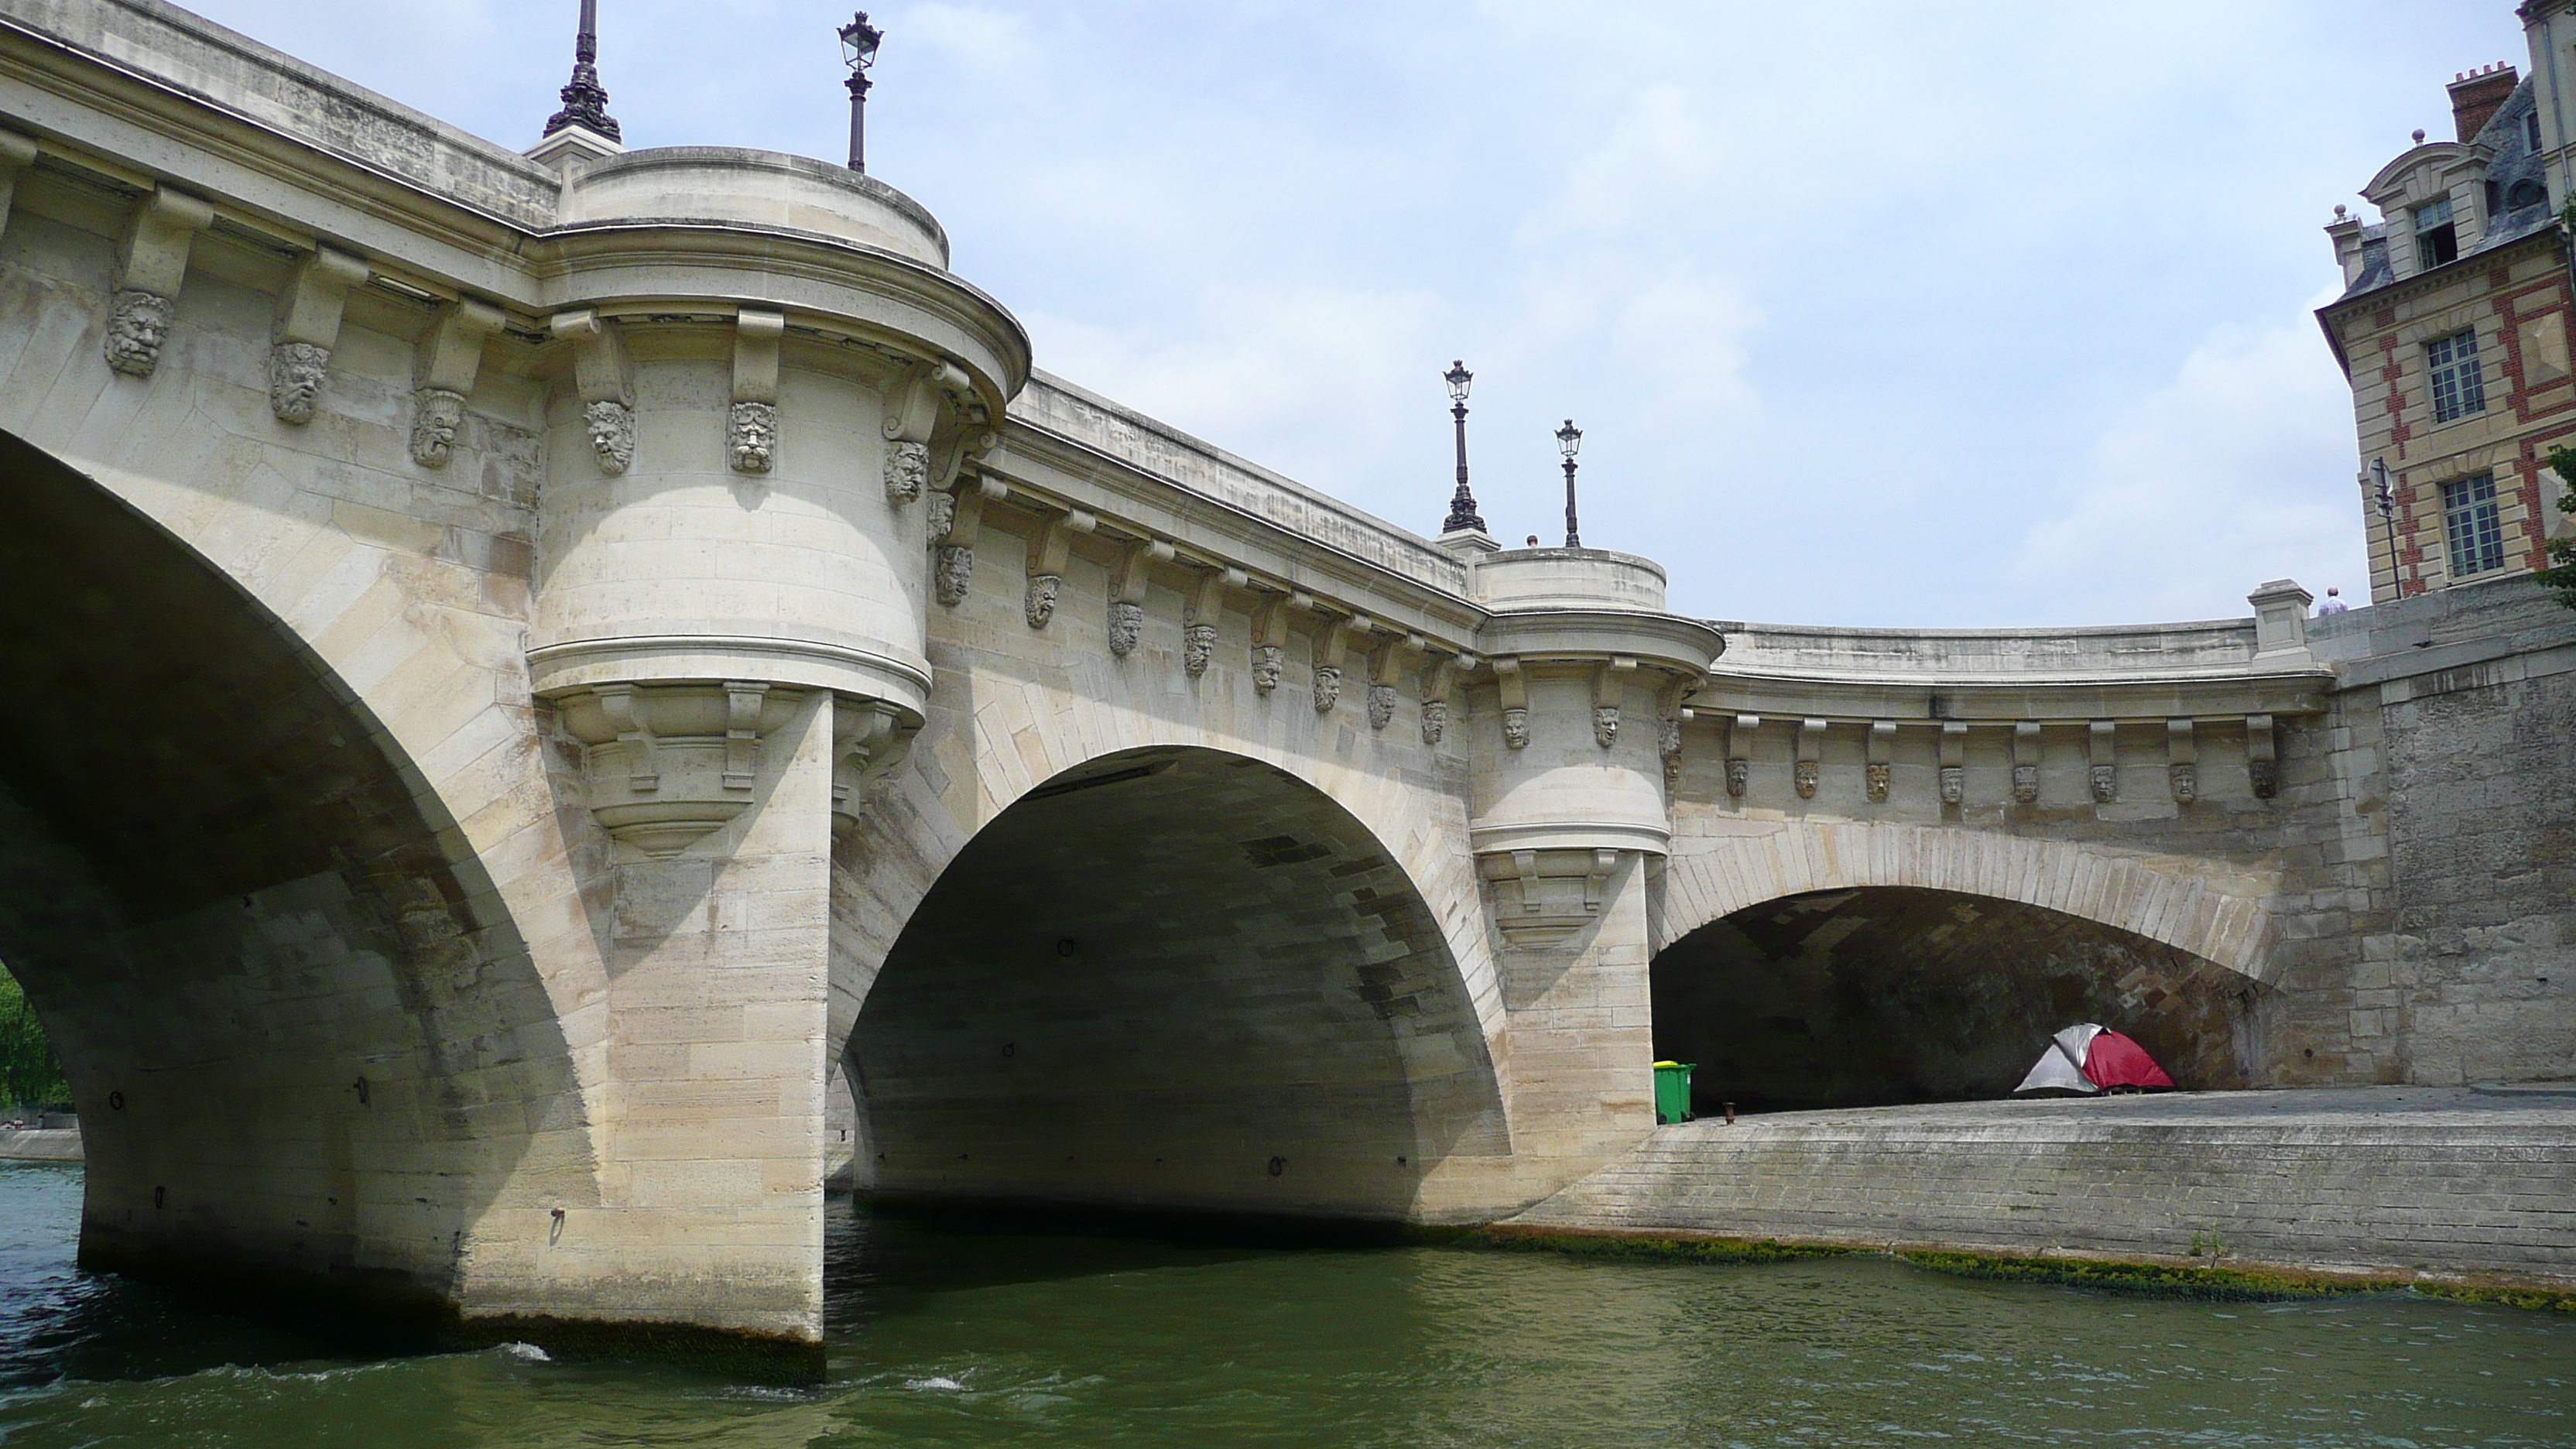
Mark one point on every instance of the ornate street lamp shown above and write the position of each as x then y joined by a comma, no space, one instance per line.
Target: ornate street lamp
585,100
2379,484
1569,441
1462,507
859,42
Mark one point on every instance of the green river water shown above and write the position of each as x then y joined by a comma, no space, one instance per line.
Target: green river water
993,1337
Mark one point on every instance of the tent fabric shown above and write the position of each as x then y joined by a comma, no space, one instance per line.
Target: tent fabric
2116,1061
2088,1058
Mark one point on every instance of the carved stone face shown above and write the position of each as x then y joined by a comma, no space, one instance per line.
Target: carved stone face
1739,774
1435,720
2266,777
2026,783
137,323
1126,627
956,572
2186,781
1269,662
1880,777
434,425
943,514
2106,784
907,470
1381,705
1039,605
1328,689
1668,737
295,373
1954,784
1605,725
612,435
1516,727
752,436
1810,774
1198,647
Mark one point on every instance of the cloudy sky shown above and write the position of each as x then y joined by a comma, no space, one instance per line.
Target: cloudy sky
1978,315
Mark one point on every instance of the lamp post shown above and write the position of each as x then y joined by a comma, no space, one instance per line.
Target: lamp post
1569,441
859,42
1462,506
585,101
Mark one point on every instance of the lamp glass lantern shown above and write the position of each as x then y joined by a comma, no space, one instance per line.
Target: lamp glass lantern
859,42
1459,380
1569,440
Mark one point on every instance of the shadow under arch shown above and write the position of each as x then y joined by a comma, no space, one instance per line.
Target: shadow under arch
305,1038
1885,995
1172,978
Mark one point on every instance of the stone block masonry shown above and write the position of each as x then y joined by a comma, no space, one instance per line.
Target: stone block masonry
2433,1180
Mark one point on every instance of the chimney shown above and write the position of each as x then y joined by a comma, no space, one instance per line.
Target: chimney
2476,96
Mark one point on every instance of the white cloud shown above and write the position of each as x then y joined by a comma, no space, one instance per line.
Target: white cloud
2230,475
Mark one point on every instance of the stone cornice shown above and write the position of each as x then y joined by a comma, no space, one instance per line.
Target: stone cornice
2446,275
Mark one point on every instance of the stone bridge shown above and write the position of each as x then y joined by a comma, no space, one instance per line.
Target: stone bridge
558,694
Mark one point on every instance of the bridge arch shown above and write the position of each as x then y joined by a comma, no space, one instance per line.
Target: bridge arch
303,1034
1174,976
1866,965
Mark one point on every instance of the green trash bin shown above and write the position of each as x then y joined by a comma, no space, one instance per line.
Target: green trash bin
1672,1092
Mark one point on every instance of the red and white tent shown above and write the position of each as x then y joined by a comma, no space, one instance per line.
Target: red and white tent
2091,1058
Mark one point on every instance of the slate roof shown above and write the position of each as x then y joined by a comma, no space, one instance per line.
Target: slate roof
2506,138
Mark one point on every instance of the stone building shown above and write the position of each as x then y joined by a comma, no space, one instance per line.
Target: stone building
2453,328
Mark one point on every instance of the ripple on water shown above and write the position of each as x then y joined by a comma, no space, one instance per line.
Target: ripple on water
974,1335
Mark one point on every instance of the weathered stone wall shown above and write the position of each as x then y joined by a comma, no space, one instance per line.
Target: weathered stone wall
2445,1181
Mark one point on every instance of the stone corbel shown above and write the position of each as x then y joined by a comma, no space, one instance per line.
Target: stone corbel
868,738
606,379
1512,687
1332,642
17,153
2025,761
1739,753
1882,759
2262,756
1609,692
912,415
1954,761
449,359
2101,744
151,264
1810,758
1198,623
956,520
1127,579
1269,642
2182,759
669,763
307,331
1385,667
1438,679
1669,715
1049,552
1543,897
751,424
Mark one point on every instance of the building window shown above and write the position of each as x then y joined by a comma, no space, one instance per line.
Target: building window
2469,520
2525,192
2531,130
2436,240
2459,389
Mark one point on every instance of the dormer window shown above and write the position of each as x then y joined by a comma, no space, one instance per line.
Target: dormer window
2525,192
2437,241
2531,131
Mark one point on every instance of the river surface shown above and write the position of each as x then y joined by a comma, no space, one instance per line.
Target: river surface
1005,1337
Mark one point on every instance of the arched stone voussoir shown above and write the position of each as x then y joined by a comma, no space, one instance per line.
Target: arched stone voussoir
2218,914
